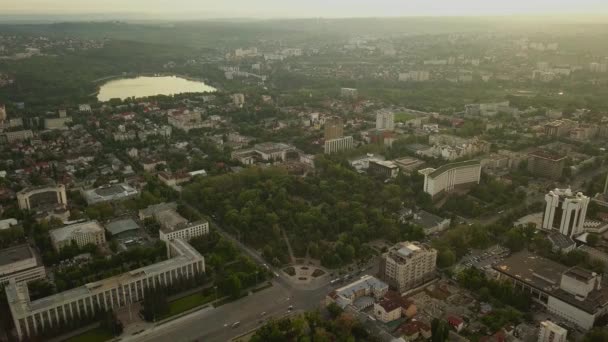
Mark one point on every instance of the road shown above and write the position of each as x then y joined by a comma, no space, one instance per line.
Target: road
215,324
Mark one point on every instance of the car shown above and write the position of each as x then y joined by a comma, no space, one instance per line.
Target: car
276,274
290,308
263,313
236,324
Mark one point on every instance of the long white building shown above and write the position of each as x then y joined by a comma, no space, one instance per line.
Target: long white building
451,176
565,211
339,144
33,317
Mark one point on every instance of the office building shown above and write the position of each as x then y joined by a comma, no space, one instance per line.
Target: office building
90,232
20,264
268,151
57,123
546,164
559,128
15,136
339,144
551,332
367,286
109,193
349,92
407,265
185,119
382,168
565,211
334,128
414,76
385,120
33,317
173,225
574,294
238,100
42,197
449,177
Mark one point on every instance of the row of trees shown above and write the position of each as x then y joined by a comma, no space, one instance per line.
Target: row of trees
155,304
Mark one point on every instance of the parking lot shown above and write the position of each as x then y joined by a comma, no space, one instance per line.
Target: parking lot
484,259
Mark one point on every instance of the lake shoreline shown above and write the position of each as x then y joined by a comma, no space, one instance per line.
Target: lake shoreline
198,85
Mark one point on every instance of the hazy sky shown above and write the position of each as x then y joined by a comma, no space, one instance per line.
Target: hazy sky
307,8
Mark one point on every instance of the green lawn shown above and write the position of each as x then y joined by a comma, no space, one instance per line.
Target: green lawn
403,117
189,302
93,335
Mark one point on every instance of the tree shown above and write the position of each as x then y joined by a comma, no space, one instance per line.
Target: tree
233,286
334,310
596,335
593,239
440,330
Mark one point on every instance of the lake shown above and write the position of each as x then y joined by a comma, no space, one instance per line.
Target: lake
149,86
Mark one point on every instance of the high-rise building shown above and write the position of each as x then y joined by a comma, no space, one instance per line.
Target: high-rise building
407,265
238,100
565,211
546,164
339,144
385,120
334,128
551,332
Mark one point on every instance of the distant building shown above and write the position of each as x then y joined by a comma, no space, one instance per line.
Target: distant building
551,332
90,232
488,109
546,164
559,128
122,227
451,176
415,76
3,115
42,197
172,224
185,119
20,264
407,265
109,193
334,128
339,144
385,120
349,93
386,169
84,108
565,212
57,123
15,136
429,223
8,223
367,286
268,152
238,100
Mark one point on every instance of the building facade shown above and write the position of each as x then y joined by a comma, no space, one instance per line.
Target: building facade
84,233
32,198
451,176
338,145
31,317
551,332
407,265
333,128
386,169
385,120
565,211
20,264
546,164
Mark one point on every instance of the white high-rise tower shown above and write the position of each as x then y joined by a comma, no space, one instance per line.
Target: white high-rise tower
565,211
385,120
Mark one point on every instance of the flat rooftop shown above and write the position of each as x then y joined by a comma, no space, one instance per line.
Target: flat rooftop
15,254
67,232
367,282
443,168
534,270
544,154
121,226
